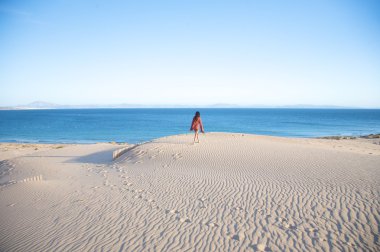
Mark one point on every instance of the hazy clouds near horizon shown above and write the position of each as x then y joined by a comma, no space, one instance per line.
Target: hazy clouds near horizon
190,52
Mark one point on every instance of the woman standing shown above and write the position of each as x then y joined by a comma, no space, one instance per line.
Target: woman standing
196,124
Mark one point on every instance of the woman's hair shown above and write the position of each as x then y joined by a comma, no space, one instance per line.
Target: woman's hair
197,114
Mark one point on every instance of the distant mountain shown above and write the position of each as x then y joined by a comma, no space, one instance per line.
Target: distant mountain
223,105
315,106
33,105
41,105
48,105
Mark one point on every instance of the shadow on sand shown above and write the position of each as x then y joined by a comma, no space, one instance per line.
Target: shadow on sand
101,157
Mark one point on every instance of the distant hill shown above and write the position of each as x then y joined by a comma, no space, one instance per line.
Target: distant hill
315,106
33,105
41,105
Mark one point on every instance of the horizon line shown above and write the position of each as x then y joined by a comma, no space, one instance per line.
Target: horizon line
73,107
50,105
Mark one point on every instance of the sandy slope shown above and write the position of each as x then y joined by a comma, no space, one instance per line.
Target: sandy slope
231,192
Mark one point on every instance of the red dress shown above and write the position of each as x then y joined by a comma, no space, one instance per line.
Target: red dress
196,124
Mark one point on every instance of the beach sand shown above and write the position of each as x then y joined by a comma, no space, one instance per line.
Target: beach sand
230,192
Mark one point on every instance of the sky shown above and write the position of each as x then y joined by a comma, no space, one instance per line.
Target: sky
271,53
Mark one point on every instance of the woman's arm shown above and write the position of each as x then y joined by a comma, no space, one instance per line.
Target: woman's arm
201,124
191,126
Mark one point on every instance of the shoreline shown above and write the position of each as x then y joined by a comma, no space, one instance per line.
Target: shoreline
369,136
230,192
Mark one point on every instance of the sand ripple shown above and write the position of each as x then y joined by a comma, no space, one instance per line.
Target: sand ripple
231,192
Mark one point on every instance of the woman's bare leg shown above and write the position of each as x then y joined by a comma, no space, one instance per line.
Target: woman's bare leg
195,135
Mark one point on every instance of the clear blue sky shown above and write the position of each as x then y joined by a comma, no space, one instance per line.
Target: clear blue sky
190,52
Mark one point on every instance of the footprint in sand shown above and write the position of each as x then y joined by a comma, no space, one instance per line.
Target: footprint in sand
184,220
177,156
212,224
235,237
263,212
201,202
259,247
351,244
313,233
285,224
237,210
311,230
172,211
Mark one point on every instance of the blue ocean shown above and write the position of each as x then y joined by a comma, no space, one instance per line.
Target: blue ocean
140,125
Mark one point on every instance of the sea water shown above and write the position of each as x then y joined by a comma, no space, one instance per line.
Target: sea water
139,125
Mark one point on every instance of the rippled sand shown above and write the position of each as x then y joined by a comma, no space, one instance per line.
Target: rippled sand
231,192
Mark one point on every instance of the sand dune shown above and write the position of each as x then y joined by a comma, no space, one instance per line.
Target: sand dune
231,192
